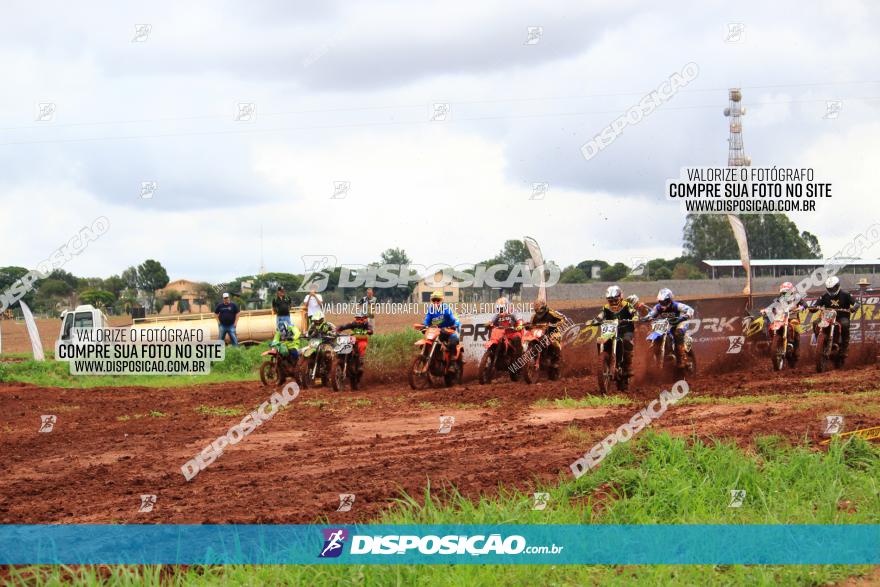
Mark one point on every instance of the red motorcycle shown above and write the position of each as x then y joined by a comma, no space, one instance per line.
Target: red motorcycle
783,331
435,363
827,332
503,349
539,355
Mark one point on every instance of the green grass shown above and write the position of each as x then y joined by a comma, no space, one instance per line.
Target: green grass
654,479
220,410
590,401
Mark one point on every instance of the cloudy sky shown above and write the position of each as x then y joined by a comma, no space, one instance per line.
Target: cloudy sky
346,92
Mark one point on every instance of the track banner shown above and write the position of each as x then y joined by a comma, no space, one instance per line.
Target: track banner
742,241
32,332
538,261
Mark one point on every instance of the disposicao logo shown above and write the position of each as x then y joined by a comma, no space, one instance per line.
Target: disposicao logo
334,541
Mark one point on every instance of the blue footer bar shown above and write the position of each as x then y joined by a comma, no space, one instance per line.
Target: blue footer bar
439,544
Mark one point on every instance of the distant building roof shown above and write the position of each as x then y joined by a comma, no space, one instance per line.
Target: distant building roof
787,262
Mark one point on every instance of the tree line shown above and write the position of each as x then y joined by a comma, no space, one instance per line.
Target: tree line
771,236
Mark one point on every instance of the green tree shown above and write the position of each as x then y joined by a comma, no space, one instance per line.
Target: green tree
771,236
615,272
587,266
115,285
11,274
130,277
150,277
403,290
97,297
50,292
572,274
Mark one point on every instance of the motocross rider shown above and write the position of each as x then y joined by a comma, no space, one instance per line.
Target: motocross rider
791,302
319,327
443,316
676,313
286,340
504,318
641,308
361,329
836,299
617,308
550,318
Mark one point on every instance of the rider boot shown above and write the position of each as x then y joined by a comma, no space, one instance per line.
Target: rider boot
680,357
453,352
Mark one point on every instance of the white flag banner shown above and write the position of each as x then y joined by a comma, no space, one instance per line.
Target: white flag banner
742,241
32,332
538,261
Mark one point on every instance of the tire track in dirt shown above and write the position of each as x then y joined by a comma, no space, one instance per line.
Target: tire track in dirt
107,450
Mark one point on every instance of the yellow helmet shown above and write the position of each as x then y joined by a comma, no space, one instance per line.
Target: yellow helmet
437,295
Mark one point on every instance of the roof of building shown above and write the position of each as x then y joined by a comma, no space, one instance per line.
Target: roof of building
788,262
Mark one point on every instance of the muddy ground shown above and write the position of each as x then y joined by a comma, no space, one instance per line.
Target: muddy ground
111,445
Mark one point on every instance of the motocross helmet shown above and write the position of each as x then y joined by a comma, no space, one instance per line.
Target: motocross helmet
501,305
633,300
360,317
286,333
832,284
664,297
318,318
540,306
786,287
614,296
437,296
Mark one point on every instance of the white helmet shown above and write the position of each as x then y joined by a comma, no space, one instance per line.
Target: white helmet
613,293
664,295
832,284
633,299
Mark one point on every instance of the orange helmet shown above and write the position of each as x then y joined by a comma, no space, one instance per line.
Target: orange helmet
786,287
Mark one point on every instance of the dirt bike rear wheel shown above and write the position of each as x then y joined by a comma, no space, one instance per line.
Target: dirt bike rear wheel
418,373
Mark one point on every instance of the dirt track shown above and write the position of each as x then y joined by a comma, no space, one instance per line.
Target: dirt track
106,449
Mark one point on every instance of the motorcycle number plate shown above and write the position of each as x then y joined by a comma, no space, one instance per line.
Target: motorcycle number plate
661,326
342,340
608,328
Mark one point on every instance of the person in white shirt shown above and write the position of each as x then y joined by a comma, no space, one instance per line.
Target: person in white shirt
314,303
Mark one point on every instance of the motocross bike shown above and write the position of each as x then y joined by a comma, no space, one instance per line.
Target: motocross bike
503,348
348,363
319,361
610,346
434,362
782,334
276,368
664,351
539,355
828,340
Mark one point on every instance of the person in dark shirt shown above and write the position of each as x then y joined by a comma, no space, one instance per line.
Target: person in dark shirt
617,308
227,319
845,304
281,308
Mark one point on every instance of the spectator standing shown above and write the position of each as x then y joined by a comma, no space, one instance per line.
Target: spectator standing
368,303
281,308
314,304
227,319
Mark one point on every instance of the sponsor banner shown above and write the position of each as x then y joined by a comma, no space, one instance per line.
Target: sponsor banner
80,544
715,321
